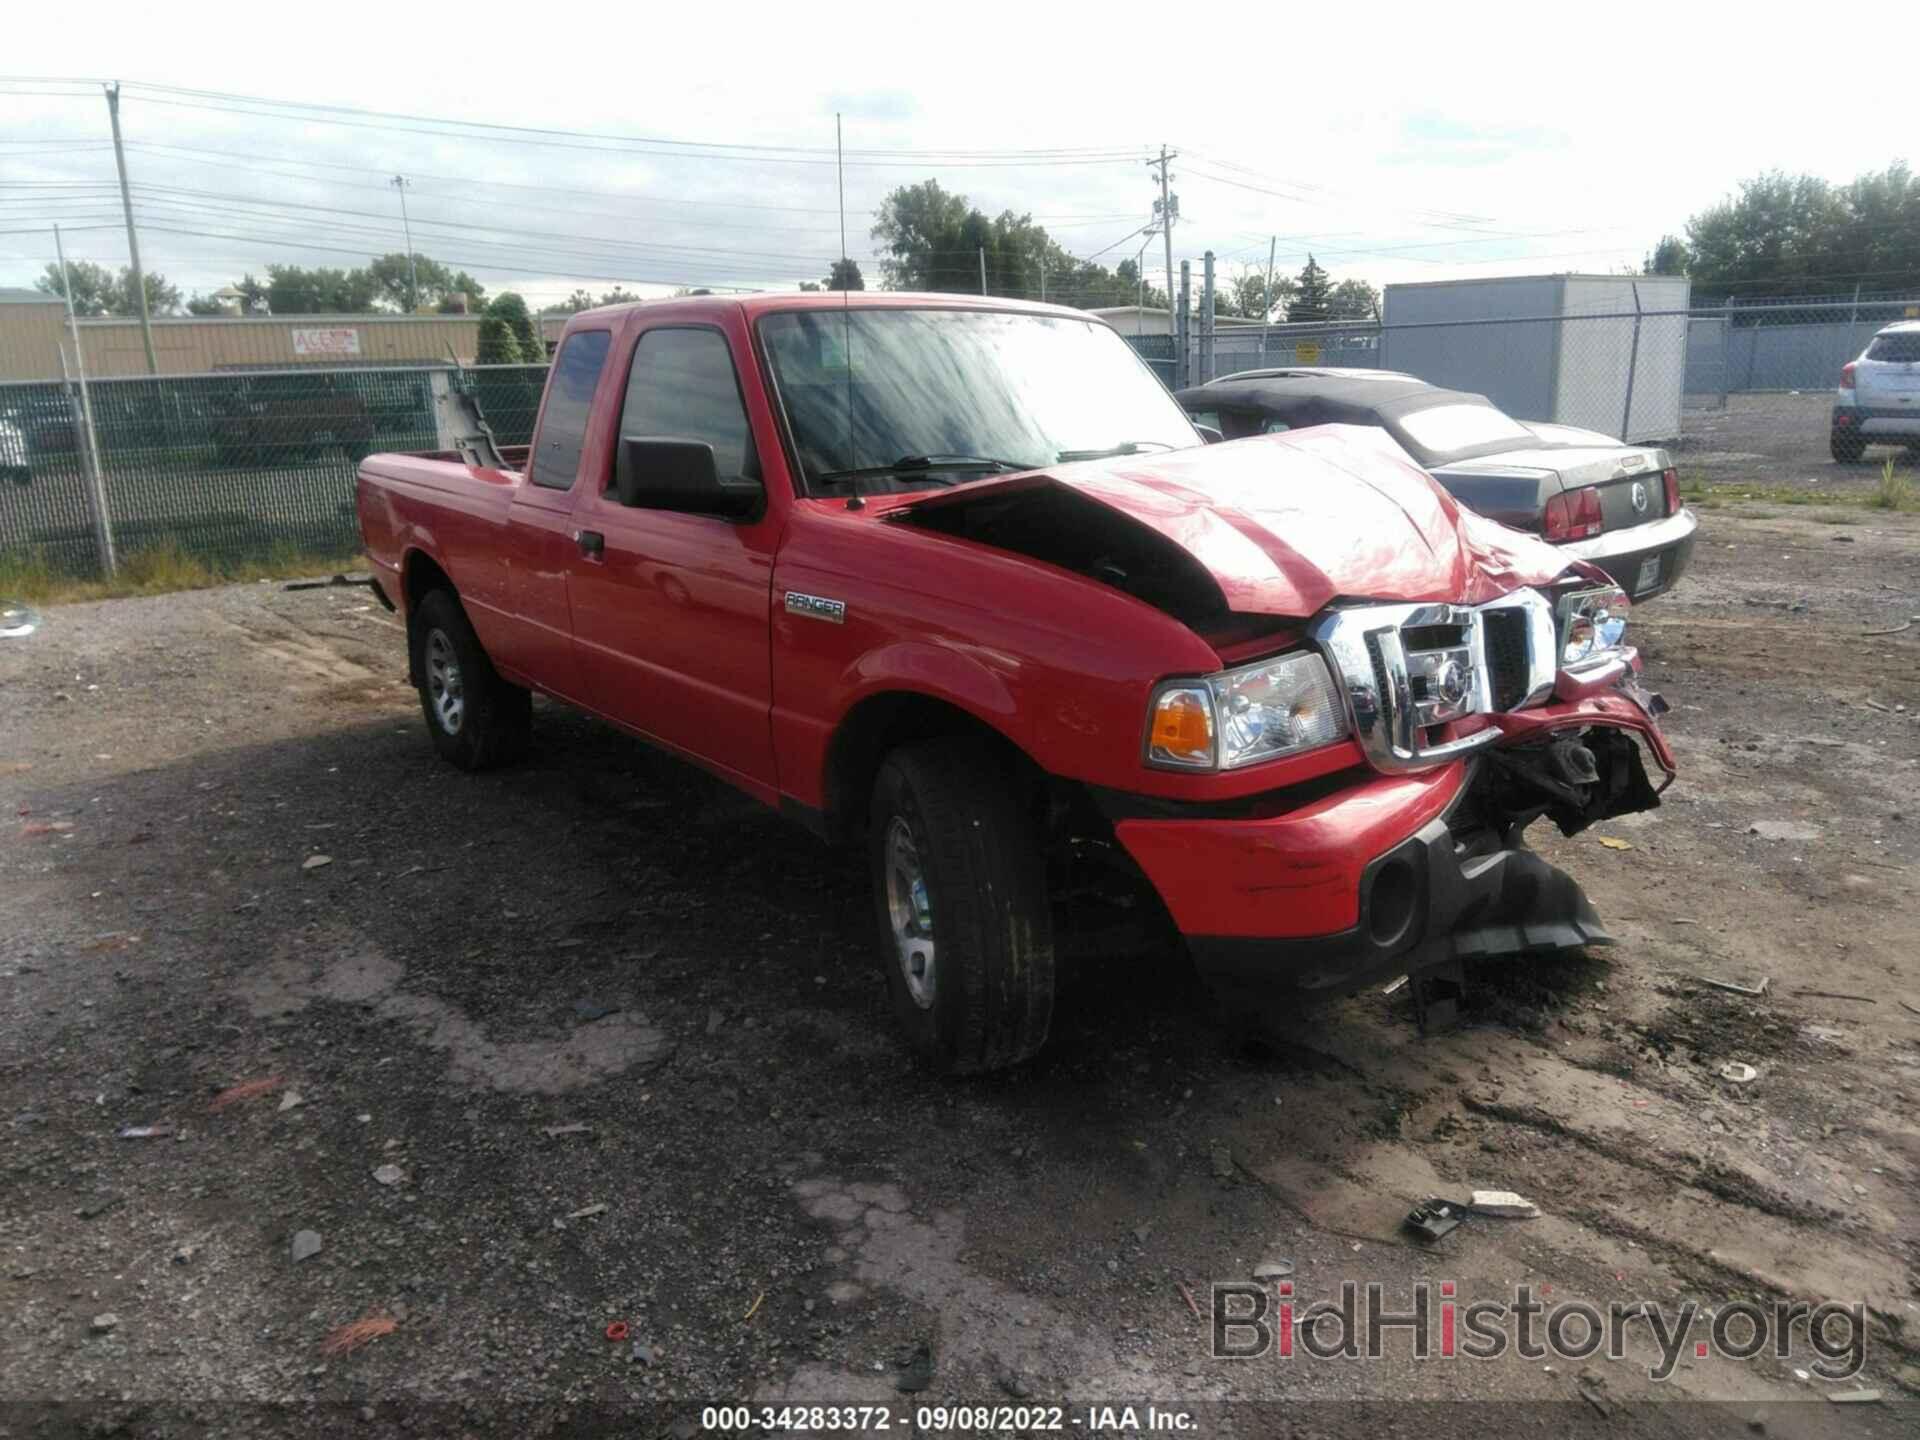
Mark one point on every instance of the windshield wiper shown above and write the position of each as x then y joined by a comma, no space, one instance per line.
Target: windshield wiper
908,464
1125,447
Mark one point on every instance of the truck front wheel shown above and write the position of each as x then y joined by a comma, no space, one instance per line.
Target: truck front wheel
965,935
476,719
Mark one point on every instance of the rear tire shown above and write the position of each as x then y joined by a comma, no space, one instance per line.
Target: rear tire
476,719
1846,448
960,901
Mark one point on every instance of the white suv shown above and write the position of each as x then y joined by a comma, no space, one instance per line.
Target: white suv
1879,399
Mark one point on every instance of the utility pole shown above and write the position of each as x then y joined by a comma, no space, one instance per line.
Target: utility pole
96,483
840,169
133,241
1266,316
983,269
1168,210
399,183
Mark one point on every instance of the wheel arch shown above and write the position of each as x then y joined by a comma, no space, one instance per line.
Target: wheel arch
882,722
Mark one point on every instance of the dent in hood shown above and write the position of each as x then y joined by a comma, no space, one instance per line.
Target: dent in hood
1285,524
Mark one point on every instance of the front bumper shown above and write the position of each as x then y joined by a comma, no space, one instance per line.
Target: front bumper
1390,874
1643,560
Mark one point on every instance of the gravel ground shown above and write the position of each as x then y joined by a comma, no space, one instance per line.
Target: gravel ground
1777,439
596,1041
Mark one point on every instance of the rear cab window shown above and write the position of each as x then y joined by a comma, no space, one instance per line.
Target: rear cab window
555,460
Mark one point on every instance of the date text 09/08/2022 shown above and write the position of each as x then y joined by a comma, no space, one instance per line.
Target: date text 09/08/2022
945,1418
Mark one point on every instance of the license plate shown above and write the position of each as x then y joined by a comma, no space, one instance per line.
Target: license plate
1649,575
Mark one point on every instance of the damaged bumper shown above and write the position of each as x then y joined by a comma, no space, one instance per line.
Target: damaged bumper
1397,873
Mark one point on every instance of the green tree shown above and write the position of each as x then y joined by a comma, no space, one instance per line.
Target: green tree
98,291
526,335
1669,257
427,285
813,286
496,343
1799,234
253,295
323,290
205,305
619,295
845,275
1312,293
576,302
1249,289
1353,300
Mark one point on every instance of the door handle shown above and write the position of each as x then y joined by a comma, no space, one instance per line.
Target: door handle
592,543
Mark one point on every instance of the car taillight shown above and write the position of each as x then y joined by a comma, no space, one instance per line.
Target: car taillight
1671,479
1846,376
1573,515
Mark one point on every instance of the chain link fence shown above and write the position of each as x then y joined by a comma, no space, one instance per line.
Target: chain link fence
226,468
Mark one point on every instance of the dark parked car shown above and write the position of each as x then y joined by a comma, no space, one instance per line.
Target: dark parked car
1616,505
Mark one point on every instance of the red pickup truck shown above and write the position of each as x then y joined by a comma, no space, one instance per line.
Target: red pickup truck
957,580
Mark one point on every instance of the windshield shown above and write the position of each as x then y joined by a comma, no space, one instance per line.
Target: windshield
958,394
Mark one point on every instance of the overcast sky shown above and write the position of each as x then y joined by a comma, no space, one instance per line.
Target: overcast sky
1396,143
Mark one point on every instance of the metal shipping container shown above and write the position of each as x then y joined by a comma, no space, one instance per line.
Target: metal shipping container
1606,352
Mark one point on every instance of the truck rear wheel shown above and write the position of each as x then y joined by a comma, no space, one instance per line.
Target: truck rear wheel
965,935
476,719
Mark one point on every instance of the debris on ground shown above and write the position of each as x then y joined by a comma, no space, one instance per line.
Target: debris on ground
1222,1159
587,1212
575,1127
641,1352
618,1331
1273,1270
389,1175
94,1209
145,1132
1187,1295
1614,842
1783,830
1014,1384
314,862
1854,1397
913,1368
591,1010
292,1100
753,1309
1837,995
1394,987
1434,1219
1738,1072
345,1339
1503,1204
105,1324
1759,987
306,1243
233,1094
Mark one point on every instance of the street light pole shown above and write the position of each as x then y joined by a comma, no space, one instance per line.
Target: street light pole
413,280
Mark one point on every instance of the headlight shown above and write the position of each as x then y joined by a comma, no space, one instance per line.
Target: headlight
1592,625
1257,712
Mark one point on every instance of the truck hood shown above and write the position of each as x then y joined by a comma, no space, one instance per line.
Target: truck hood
1286,524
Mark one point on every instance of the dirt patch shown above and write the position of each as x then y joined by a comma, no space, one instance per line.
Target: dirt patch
618,1030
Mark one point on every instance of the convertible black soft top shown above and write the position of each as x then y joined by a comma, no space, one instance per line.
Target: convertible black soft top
1383,398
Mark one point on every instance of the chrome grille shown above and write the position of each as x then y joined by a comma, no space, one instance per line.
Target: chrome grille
1404,669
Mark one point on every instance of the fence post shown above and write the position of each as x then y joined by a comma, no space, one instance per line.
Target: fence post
1182,356
1206,320
1633,363
89,447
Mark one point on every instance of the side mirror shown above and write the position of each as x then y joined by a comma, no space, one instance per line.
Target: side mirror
1208,433
661,473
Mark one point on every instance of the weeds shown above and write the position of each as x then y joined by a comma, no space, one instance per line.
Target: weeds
157,570
1894,492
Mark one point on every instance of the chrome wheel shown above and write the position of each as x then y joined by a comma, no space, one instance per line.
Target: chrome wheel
910,912
446,690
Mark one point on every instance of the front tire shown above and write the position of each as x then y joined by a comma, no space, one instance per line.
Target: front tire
476,719
965,934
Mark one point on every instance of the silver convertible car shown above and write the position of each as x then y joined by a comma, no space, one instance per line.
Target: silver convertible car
1616,505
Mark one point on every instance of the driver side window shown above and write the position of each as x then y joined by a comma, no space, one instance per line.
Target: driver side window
682,386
